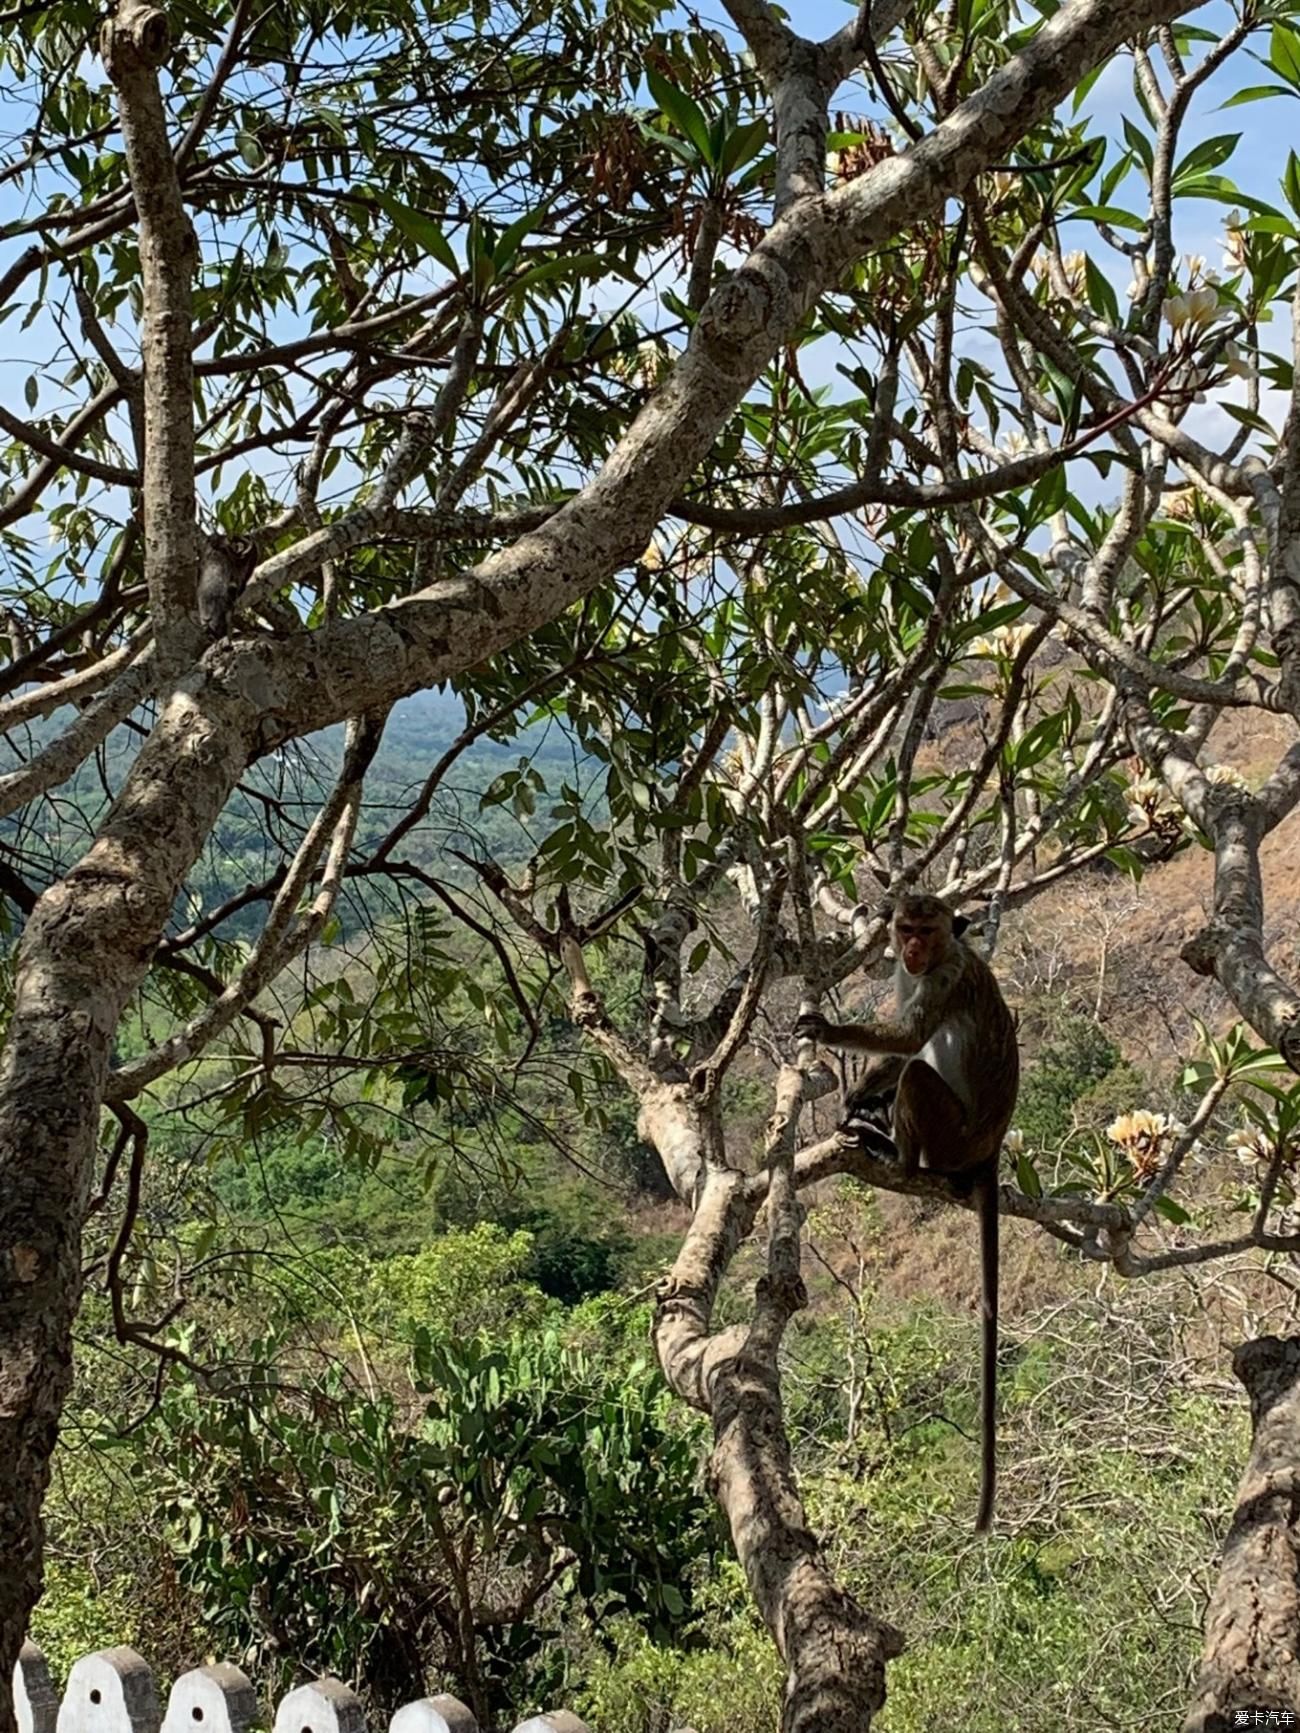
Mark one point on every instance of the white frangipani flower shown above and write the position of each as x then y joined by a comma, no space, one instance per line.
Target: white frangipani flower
1237,365
1176,312
1006,642
1234,244
1224,776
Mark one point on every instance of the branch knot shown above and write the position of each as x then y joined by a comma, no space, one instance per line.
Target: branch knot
138,36
742,308
1201,951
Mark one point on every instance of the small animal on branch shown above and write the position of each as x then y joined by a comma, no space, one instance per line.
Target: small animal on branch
225,567
939,1094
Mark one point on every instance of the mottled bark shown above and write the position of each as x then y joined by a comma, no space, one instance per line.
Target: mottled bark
835,1650
86,947
1252,1629
134,45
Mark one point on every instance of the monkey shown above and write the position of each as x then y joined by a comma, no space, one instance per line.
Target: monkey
225,567
940,1096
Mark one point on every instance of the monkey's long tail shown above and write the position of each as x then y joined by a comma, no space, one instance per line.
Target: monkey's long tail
987,1204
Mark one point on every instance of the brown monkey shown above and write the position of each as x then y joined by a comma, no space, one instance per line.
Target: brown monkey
950,1059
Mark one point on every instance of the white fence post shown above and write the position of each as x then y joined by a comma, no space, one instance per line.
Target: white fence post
113,1691
36,1702
433,1715
217,1699
109,1692
324,1706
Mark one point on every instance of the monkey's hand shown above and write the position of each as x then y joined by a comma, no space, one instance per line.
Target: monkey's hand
812,1026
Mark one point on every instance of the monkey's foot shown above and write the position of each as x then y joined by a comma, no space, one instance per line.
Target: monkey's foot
869,1137
877,1110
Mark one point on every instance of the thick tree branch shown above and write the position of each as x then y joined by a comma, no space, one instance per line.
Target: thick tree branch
135,43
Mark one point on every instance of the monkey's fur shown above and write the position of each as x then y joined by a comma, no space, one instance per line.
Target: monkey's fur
225,567
950,1064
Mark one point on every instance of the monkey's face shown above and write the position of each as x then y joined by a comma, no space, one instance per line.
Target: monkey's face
921,941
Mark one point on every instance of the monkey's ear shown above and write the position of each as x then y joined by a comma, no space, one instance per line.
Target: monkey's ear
959,925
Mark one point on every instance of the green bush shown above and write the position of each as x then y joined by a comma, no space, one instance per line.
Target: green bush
1077,1055
467,1282
328,1528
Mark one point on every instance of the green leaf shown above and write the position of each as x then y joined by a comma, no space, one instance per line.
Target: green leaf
1140,145
1171,1211
1211,153
1256,93
1248,418
1039,740
684,113
580,265
1284,54
989,621
1291,182
1271,226
1224,192
1111,214
1027,1176
421,229
508,245
1047,497
1131,863
1101,296
742,144
1085,85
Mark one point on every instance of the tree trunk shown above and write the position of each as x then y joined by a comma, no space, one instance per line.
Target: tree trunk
85,950
1252,1629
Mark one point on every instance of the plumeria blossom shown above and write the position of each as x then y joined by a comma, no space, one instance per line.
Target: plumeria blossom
1237,365
1224,776
1141,1135
1148,801
1140,1126
1197,308
1249,1145
1004,184
1005,642
1234,243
